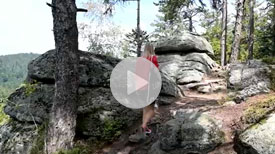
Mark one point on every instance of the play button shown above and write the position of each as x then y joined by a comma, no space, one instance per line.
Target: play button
135,82
131,86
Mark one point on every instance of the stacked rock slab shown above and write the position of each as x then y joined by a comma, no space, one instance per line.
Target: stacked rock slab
30,104
185,59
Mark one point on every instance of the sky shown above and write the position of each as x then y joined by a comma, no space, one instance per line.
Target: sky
26,25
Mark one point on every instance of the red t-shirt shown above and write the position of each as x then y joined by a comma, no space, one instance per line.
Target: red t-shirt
154,60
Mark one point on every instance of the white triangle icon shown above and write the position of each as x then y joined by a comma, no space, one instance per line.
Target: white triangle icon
134,82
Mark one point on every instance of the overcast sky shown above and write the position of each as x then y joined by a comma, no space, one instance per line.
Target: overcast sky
26,25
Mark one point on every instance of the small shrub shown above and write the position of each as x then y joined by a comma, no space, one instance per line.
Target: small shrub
112,129
269,60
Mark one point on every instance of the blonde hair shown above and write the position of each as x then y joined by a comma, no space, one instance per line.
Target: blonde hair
148,50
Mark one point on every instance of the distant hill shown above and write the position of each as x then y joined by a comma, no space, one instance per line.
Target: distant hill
13,71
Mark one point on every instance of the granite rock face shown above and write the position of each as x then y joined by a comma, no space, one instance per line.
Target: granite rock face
259,139
189,132
249,79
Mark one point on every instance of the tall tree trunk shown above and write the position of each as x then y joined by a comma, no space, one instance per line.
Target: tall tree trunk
237,32
224,33
251,29
62,122
139,43
190,24
273,28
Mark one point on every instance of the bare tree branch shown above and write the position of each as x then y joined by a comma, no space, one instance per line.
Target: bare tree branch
52,6
81,10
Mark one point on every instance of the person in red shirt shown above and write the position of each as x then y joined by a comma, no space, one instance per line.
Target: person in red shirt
150,110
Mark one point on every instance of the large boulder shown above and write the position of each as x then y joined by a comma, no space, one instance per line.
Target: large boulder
96,106
188,68
33,100
249,79
258,139
95,69
184,44
189,132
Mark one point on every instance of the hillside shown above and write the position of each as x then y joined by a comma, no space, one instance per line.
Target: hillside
13,70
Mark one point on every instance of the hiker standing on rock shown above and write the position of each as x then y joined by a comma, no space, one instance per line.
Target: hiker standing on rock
150,110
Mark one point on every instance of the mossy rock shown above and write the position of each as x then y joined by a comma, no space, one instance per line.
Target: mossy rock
257,112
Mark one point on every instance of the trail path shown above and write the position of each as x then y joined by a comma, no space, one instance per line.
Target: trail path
228,115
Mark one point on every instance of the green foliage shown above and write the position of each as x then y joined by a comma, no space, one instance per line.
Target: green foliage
4,118
257,112
264,45
29,87
269,60
180,8
111,129
212,23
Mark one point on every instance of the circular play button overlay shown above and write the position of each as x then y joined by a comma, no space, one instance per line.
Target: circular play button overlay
135,82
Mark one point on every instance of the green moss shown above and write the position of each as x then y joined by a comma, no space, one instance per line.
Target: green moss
29,87
256,113
4,118
112,129
255,126
38,145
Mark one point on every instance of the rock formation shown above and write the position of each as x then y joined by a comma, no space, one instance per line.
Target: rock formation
97,107
184,62
249,79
